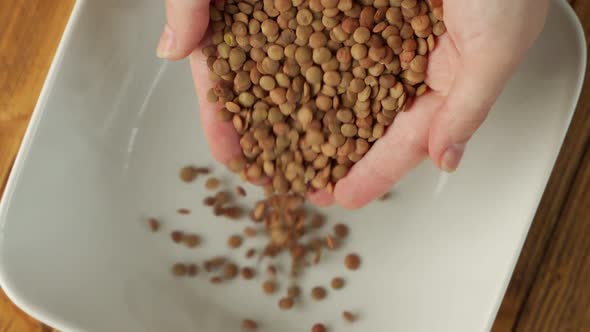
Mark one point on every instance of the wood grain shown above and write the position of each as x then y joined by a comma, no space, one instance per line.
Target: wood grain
560,292
30,31
546,227
550,289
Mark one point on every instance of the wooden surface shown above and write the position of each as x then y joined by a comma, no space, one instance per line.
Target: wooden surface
550,289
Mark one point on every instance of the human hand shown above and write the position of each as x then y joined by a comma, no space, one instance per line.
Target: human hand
183,36
484,44
467,71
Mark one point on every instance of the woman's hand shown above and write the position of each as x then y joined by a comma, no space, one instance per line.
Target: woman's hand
186,25
483,46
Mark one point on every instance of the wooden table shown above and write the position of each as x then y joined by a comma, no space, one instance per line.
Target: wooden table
550,289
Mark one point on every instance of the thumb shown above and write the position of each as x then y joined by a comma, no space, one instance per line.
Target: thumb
186,23
477,85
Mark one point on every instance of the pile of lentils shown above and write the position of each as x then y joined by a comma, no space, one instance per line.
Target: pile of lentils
310,85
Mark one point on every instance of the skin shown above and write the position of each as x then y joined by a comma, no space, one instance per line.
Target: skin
484,44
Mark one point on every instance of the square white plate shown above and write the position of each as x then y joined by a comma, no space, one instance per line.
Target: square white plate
114,125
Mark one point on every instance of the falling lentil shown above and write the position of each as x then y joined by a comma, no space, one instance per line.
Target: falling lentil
212,183
341,230
234,241
352,262
348,316
269,287
318,293
337,283
249,325
153,224
318,328
247,273
183,211
188,174
286,303
176,236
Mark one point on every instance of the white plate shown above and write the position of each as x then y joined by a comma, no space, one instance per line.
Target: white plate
114,125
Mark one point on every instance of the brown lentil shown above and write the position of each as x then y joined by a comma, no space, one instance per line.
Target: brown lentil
293,292
212,183
153,224
216,280
209,201
337,283
269,287
191,240
318,328
234,241
341,230
250,253
192,270
247,273
318,293
183,211
331,242
348,316
250,231
272,270
230,271
188,174
286,303
177,236
249,325
240,191
352,262
179,269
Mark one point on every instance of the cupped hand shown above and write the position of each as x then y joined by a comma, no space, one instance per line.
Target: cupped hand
484,44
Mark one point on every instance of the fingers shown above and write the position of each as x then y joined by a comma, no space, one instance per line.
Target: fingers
478,83
321,198
222,137
186,23
402,148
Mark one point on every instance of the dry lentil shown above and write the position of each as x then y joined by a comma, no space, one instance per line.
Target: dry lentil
286,303
153,224
209,201
216,280
348,316
212,183
352,262
176,236
240,191
293,292
318,293
188,174
183,211
341,230
250,253
318,328
179,269
331,242
249,325
230,271
247,273
192,270
191,240
269,287
337,283
234,241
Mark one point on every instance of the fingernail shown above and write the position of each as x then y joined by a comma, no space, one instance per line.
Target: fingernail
167,43
452,157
